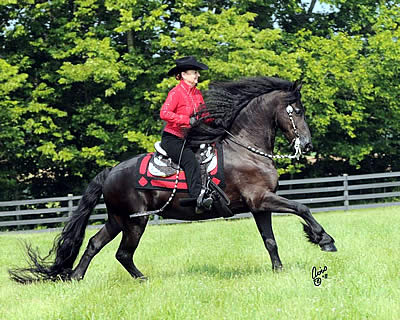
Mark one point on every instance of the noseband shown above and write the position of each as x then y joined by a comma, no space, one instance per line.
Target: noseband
296,141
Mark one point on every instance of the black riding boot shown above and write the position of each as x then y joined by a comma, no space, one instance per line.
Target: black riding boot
184,155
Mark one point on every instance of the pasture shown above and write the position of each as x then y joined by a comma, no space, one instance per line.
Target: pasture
221,270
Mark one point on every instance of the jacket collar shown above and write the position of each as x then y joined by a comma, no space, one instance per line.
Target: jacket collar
187,87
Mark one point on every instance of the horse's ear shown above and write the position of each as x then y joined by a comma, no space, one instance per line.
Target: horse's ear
297,85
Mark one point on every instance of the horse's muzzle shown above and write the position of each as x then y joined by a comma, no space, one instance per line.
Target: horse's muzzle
308,147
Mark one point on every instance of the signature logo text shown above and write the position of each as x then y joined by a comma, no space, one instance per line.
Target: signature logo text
317,275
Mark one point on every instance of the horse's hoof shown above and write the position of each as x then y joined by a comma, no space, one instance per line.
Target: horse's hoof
330,247
277,269
142,278
75,277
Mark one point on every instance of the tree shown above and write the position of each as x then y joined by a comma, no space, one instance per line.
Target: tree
11,136
82,81
83,99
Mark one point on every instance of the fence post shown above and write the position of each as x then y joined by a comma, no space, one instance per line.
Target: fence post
18,217
70,205
346,191
156,218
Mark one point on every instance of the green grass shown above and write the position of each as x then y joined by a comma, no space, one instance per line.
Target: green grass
220,270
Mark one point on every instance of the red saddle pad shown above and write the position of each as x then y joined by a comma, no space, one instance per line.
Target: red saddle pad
146,181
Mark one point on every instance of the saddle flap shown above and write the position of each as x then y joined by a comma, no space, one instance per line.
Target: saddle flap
162,167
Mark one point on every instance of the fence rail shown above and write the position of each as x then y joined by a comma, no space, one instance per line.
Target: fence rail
320,194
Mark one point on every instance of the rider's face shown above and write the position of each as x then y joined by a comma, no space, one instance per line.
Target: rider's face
191,77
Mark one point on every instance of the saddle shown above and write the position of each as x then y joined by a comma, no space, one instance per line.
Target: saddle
156,171
161,165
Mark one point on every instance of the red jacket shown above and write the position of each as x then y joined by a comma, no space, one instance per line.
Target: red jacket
181,103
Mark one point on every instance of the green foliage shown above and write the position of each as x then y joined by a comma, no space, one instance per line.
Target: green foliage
82,82
11,136
83,90
145,141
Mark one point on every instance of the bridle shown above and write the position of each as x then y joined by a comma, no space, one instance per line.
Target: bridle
296,141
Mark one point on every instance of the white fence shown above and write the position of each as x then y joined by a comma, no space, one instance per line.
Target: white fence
320,194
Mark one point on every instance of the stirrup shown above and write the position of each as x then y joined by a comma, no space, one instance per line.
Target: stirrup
207,203
204,202
205,206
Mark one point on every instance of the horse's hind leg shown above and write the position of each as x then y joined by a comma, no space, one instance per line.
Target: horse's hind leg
133,231
108,232
264,224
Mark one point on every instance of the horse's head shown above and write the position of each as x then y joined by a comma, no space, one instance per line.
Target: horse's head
251,109
291,119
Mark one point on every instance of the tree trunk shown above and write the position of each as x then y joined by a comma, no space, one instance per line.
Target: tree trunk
130,41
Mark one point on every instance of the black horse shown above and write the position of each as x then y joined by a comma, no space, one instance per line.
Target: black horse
246,113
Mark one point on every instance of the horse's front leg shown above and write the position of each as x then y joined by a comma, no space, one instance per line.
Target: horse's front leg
269,201
264,225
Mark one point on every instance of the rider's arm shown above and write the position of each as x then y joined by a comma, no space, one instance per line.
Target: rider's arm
169,109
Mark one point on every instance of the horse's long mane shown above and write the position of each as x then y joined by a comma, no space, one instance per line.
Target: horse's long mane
224,101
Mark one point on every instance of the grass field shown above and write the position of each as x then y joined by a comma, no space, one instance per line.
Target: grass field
220,270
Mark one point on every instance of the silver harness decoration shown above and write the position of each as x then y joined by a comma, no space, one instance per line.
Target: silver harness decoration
296,141
296,155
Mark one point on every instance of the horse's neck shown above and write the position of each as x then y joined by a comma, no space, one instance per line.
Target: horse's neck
256,124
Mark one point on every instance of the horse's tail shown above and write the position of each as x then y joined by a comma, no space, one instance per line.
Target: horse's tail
66,246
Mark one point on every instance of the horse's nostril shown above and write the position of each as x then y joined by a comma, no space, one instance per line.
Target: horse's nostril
308,147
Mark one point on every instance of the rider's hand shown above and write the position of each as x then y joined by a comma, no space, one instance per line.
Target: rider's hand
192,120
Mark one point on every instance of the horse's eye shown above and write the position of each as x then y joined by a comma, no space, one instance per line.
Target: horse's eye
297,111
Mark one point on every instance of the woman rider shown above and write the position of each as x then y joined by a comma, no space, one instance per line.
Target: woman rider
182,102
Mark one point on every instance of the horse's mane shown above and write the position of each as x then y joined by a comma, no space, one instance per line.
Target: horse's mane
224,101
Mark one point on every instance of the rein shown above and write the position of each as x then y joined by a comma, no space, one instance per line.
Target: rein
297,148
